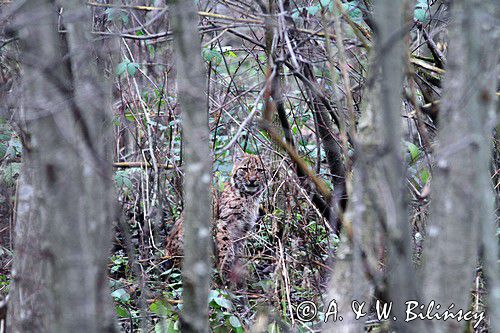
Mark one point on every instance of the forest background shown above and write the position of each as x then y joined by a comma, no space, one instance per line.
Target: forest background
378,120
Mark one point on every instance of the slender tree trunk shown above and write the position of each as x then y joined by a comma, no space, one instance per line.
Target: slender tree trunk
27,296
391,185
462,199
67,116
197,180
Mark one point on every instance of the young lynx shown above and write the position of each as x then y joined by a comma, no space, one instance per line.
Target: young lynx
235,214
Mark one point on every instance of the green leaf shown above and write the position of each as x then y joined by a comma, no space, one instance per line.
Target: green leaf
295,14
132,68
121,312
328,4
166,326
122,179
121,295
129,116
10,173
211,56
121,68
414,151
234,321
228,52
3,150
421,12
159,308
352,9
424,176
225,303
213,295
15,147
313,10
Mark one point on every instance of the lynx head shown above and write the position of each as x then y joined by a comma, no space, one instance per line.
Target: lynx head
249,174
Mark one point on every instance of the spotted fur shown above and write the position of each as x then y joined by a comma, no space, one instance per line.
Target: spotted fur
235,214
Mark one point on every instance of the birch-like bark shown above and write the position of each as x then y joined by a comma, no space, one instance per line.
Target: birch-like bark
462,197
197,179
67,115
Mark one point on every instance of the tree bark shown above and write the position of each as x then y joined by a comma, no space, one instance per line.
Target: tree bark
462,199
401,286
67,115
197,181
27,296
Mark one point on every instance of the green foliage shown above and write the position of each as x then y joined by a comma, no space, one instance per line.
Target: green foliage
119,262
121,295
222,311
4,280
168,317
422,11
227,51
167,326
353,10
122,179
10,145
414,151
213,56
126,66
10,173
121,312
424,176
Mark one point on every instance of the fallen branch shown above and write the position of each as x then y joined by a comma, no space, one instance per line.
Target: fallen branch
144,165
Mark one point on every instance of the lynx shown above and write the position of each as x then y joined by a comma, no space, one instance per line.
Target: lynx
235,214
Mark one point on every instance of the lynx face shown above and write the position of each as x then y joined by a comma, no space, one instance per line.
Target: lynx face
249,175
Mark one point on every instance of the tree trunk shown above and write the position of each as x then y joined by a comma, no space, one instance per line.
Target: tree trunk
27,296
197,180
462,200
67,116
389,18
